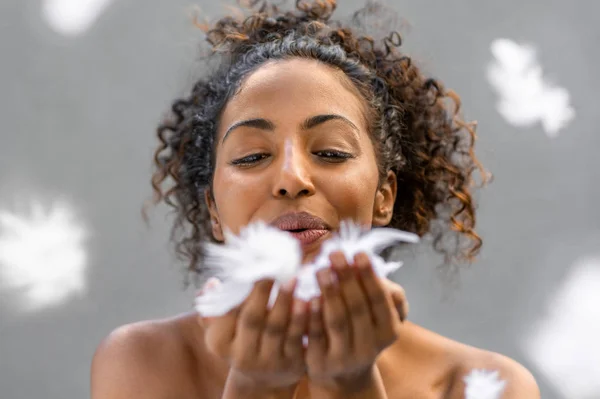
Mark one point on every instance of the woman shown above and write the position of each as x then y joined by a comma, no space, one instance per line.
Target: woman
305,124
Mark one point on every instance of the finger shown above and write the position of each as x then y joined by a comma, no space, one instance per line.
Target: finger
277,322
388,318
379,302
357,305
335,319
317,339
253,317
293,347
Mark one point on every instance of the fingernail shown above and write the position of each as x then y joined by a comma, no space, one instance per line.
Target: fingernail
289,285
332,276
264,284
337,259
325,277
363,262
342,261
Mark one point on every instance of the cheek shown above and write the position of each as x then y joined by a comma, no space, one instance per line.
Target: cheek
352,193
237,198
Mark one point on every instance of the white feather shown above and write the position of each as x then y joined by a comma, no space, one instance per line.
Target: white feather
261,251
222,298
351,240
483,384
526,96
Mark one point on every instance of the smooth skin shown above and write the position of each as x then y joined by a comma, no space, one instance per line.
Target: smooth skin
294,139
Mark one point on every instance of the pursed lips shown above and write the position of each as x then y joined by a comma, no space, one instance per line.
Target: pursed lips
305,227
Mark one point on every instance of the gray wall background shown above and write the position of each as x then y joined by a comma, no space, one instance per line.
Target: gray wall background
78,118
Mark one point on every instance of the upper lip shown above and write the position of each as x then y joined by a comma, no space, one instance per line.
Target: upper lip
299,221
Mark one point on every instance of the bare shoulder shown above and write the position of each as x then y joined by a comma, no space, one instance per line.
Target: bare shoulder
520,383
143,359
444,363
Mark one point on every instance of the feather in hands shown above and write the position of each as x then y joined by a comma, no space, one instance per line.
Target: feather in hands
483,384
351,240
262,251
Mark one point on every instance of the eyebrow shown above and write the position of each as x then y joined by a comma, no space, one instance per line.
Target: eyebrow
309,123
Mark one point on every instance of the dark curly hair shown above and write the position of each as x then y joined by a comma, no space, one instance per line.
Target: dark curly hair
414,123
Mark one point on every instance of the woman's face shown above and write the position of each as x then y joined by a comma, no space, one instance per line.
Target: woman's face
293,150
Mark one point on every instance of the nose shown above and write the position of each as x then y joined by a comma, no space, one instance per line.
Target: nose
293,174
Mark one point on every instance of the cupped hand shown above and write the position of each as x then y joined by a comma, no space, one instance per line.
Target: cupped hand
357,316
262,346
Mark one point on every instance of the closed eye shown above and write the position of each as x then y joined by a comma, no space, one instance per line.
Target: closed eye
249,159
333,156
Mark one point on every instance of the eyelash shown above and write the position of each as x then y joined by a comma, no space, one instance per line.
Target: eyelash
331,156
249,160
335,156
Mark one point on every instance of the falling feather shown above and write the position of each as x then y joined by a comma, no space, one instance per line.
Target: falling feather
483,384
262,251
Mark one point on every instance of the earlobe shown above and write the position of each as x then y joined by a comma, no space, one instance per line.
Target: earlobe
382,217
385,198
217,230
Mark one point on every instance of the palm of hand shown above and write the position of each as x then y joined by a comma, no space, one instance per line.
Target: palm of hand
357,316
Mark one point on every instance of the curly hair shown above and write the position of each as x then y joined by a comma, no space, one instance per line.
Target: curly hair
415,123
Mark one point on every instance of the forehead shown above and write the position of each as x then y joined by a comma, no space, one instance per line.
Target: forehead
291,90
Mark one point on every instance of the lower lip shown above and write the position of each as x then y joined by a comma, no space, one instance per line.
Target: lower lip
310,236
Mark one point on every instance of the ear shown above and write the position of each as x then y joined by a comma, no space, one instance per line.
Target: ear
383,207
215,221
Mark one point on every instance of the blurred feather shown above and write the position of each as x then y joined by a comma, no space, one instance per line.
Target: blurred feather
73,17
525,95
351,240
483,384
43,256
221,298
262,251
